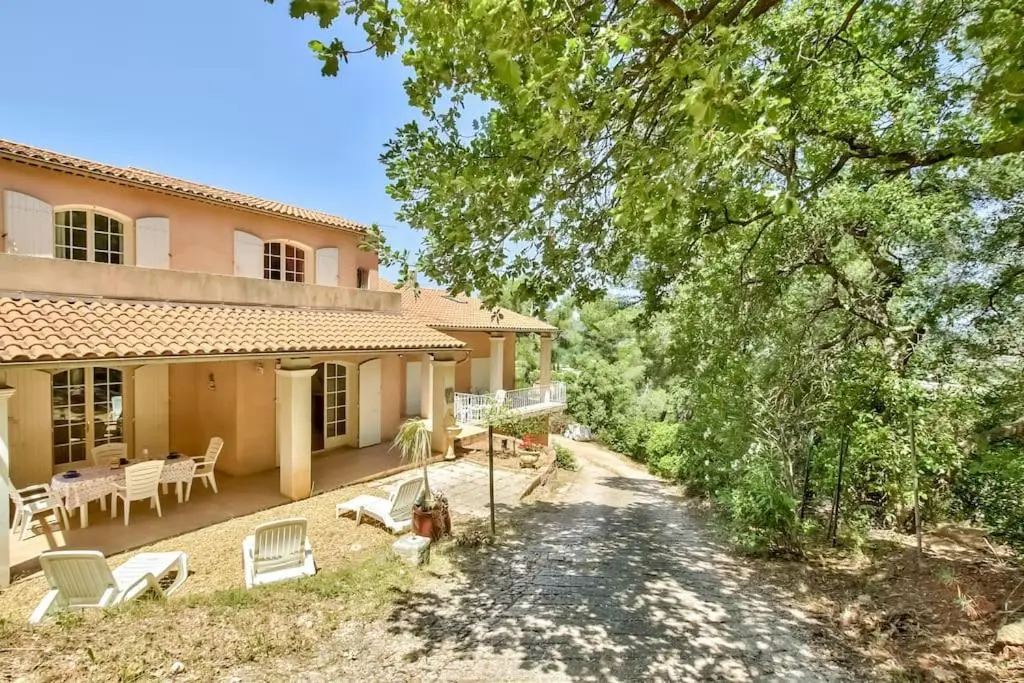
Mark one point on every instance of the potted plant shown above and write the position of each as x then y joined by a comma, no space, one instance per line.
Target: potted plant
413,442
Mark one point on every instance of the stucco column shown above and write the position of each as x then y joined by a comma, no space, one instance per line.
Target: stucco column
294,417
5,484
545,361
442,402
426,394
497,363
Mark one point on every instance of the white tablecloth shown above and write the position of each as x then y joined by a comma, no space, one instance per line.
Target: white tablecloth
98,482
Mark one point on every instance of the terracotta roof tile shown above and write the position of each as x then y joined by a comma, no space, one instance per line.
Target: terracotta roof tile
440,310
57,329
137,176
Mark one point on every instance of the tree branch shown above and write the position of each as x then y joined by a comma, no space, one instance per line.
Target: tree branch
905,160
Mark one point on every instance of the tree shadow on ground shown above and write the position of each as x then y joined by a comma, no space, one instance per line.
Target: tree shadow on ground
631,590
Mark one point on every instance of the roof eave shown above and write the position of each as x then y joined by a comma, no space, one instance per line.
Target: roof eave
86,173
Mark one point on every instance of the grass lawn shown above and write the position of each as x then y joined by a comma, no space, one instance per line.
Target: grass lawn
212,622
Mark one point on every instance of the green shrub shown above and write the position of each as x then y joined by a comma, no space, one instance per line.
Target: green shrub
662,448
565,458
991,492
760,509
626,435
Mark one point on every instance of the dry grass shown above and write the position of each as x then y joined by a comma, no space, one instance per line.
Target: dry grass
905,622
213,623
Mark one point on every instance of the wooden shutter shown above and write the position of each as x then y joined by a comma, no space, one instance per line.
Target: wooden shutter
369,403
327,266
28,225
153,242
248,255
152,414
31,434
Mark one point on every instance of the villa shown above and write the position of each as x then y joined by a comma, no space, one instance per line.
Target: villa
159,313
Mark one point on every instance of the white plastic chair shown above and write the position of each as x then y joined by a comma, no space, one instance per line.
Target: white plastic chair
36,500
277,551
109,454
394,512
141,481
205,466
81,579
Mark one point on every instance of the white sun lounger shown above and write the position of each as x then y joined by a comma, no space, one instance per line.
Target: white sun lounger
394,512
81,579
277,551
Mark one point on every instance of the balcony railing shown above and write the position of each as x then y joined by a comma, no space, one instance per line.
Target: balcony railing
473,408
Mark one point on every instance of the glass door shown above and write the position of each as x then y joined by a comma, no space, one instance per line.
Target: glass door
107,404
69,417
335,404
86,411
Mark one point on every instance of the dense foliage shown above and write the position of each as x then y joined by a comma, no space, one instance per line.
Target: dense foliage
818,206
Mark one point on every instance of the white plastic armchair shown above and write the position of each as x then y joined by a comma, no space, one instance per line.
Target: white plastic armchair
141,481
394,512
277,551
109,454
205,466
81,579
34,500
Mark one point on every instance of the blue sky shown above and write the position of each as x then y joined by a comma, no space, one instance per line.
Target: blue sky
222,92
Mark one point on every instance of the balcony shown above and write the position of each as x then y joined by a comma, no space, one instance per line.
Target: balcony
535,400
60,277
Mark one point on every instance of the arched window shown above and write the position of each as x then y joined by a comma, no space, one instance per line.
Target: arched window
88,235
284,261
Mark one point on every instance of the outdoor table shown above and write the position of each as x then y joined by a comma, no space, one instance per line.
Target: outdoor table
96,483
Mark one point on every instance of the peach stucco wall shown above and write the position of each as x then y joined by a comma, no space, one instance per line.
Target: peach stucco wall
202,234
241,409
479,346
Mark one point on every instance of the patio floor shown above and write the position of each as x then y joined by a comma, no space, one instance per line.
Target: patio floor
237,496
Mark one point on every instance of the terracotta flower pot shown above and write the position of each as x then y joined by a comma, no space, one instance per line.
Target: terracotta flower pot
422,522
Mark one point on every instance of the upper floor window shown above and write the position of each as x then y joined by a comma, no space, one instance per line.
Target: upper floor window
362,278
283,261
87,235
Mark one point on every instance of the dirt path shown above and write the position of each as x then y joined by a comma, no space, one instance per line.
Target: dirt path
615,580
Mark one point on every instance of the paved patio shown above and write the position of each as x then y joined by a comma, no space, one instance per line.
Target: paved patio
465,484
238,496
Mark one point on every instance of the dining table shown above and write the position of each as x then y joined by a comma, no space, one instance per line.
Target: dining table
77,488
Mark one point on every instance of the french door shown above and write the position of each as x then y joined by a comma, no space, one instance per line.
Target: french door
87,410
335,404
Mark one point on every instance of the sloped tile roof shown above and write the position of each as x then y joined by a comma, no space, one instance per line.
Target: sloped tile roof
440,310
136,176
58,329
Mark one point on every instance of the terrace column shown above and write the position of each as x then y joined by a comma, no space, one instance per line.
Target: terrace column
545,362
442,402
294,417
497,363
5,482
426,375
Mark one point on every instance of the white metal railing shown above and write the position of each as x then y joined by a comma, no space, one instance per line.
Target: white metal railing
472,408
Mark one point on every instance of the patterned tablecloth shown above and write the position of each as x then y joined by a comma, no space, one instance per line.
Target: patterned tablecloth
98,482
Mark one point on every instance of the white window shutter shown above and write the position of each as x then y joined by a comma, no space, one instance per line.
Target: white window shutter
28,225
248,255
153,242
327,266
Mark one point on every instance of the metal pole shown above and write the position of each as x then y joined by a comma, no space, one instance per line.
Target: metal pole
843,445
490,469
807,478
917,484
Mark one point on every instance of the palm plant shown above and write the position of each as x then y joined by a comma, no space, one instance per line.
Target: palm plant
413,442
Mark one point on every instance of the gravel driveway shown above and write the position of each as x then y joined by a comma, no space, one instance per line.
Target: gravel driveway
614,580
